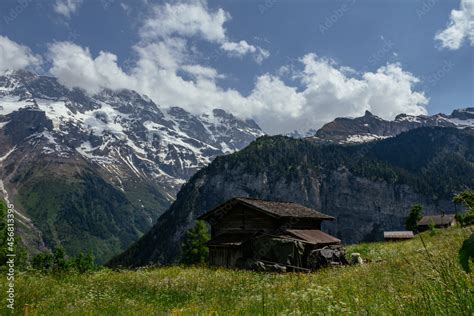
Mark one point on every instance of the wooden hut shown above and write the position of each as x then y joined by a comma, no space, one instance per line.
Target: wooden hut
439,221
397,235
248,228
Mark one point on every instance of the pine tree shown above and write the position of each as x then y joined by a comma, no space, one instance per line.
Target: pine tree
414,217
194,249
84,263
43,262
60,263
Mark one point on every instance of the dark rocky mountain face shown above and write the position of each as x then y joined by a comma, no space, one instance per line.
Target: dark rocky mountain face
463,115
95,172
370,127
369,187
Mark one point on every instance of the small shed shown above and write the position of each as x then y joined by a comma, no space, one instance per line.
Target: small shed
439,221
246,228
398,235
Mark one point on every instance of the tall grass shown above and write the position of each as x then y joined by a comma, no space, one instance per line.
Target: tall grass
416,277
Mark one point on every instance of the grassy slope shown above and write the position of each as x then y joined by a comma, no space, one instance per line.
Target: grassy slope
401,278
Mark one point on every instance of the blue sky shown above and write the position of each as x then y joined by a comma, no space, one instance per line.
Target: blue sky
287,64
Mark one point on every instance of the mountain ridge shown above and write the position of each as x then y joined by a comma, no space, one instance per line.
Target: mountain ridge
371,127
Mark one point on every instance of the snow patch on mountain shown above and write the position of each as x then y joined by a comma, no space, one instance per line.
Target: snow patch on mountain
7,154
363,138
462,123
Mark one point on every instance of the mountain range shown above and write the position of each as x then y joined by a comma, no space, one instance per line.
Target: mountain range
371,127
95,172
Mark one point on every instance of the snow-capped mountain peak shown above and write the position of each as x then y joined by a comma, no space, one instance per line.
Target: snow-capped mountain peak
123,132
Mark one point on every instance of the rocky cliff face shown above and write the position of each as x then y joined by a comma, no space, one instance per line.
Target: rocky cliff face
365,190
365,208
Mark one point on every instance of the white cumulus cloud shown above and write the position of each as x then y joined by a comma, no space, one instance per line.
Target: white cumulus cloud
186,19
201,71
195,19
66,7
331,91
242,48
75,67
460,27
14,56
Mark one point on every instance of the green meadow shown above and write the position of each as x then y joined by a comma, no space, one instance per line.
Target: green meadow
416,277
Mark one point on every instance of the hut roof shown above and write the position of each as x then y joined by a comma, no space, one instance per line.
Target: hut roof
311,236
314,236
443,219
398,235
272,208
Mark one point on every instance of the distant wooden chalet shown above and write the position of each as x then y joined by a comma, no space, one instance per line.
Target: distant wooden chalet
439,221
277,232
397,235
